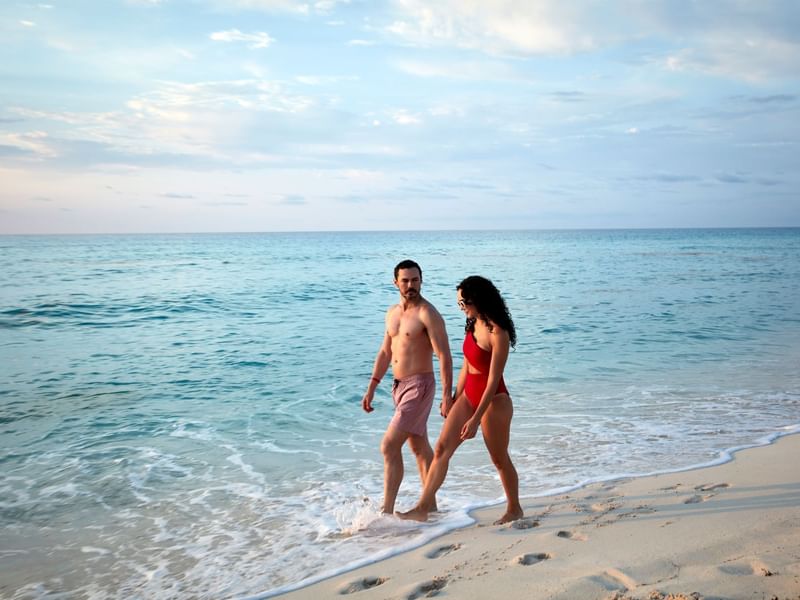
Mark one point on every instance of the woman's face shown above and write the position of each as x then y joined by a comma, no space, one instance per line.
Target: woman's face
466,306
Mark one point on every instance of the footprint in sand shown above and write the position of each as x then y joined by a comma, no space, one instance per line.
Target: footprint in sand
531,559
428,588
362,584
526,523
753,567
710,487
736,569
706,487
572,535
697,499
615,579
442,551
641,509
603,506
606,506
671,488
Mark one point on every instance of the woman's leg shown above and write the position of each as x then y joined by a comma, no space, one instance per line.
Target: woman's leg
496,427
449,440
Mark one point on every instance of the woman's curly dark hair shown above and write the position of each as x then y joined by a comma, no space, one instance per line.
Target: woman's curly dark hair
482,293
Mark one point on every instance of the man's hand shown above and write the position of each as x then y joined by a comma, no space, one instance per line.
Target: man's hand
366,403
446,405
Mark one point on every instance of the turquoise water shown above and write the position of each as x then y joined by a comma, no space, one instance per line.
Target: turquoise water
180,414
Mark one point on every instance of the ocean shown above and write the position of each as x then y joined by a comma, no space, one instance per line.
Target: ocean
180,415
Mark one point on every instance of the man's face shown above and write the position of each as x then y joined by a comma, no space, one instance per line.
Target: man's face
409,282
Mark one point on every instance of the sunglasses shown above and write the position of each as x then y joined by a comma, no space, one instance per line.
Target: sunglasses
464,304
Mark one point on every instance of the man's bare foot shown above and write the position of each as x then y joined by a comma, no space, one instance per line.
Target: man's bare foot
415,514
509,517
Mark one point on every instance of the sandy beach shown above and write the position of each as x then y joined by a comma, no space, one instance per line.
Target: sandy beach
725,532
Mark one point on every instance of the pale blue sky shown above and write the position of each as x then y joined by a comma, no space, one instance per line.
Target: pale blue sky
275,115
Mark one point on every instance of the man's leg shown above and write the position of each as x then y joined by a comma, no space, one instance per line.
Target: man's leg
421,447
392,450
449,440
423,452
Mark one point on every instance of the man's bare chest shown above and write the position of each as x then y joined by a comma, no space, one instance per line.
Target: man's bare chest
406,327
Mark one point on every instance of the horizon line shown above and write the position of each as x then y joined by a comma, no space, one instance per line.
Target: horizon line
470,230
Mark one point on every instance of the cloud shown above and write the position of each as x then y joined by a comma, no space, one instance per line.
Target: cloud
469,185
460,70
753,60
328,6
447,110
27,23
324,79
730,178
35,144
569,96
361,43
292,200
268,5
402,117
177,196
174,100
258,39
222,122
669,178
731,39
776,98
498,27
300,7
353,199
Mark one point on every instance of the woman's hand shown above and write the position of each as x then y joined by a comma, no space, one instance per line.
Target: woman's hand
470,429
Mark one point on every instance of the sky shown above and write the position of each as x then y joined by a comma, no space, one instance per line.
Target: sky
122,116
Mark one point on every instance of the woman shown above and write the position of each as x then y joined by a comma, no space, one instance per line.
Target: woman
481,396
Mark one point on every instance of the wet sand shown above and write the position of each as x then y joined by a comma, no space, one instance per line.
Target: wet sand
726,532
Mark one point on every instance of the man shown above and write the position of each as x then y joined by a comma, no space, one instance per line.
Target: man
414,331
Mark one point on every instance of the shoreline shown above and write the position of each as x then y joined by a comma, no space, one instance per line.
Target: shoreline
550,552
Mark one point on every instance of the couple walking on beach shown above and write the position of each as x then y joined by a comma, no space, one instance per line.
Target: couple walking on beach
414,332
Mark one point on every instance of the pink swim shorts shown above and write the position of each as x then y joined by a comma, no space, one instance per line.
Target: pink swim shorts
413,398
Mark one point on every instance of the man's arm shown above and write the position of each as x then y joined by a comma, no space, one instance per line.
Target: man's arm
460,384
382,362
437,332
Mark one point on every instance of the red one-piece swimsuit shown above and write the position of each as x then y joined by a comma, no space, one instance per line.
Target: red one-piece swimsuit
481,360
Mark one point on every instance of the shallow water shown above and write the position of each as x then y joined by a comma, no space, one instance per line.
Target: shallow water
181,414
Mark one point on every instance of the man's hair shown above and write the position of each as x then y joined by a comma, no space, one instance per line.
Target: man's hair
407,264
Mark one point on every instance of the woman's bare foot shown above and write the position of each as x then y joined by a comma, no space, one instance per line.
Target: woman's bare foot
415,514
509,516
